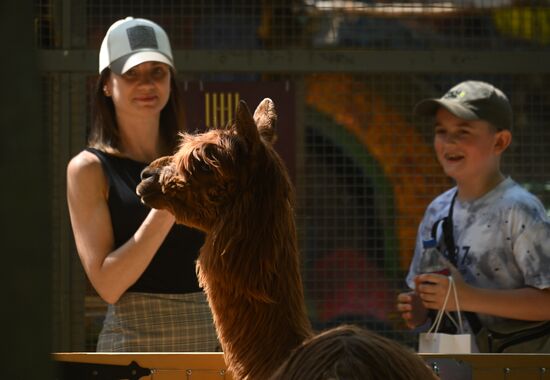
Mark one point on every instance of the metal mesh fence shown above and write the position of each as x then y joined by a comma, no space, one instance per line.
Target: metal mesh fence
43,24
364,168
370,172
239,24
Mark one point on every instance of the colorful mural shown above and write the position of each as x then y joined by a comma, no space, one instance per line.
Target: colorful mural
405,156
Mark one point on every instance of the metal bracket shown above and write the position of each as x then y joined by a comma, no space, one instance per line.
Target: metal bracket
93,371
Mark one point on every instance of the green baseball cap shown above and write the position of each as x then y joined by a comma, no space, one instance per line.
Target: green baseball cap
472,100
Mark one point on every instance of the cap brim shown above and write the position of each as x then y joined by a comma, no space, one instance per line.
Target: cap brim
123,64
428,107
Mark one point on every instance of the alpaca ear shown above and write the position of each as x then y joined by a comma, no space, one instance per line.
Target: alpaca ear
246,127
265,118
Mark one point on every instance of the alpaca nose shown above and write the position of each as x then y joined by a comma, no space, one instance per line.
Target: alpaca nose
148,173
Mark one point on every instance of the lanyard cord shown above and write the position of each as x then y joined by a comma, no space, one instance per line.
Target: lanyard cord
448,235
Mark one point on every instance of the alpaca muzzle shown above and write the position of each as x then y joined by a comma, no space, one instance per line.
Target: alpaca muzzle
149,182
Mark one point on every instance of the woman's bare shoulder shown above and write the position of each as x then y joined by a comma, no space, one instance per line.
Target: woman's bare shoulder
85,169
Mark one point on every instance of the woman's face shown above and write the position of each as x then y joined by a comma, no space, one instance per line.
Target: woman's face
142,90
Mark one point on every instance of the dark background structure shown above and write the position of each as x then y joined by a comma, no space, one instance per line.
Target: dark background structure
26,202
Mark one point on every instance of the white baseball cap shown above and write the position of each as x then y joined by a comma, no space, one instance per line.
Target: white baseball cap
132,41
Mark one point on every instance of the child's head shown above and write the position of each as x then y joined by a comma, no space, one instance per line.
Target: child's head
472,100
352,353
472,129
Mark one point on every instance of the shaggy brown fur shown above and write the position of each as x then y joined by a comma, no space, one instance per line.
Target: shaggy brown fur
231,184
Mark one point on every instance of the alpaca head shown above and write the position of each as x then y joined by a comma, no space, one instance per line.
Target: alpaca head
201,182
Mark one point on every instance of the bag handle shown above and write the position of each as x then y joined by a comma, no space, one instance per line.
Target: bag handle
435,326
448,236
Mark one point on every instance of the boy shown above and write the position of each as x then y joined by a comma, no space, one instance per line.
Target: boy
500,231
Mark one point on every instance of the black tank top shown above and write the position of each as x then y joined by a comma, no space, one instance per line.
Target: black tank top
172,269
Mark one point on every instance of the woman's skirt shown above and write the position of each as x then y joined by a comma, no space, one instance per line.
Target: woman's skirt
149,322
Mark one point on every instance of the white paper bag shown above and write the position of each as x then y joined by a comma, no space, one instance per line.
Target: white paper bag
445,343
435,342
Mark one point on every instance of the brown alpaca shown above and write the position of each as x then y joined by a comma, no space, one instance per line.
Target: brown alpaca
231,184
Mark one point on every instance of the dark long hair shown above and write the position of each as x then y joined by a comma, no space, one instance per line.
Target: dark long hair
104,132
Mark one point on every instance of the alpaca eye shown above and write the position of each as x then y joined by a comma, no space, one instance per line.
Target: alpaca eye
203,167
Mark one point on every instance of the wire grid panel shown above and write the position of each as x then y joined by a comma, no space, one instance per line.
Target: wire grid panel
366,167
62,108
44,28
238,24
370,171
475,24
190,24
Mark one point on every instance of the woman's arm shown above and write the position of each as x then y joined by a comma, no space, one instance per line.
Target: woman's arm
526,303
111,272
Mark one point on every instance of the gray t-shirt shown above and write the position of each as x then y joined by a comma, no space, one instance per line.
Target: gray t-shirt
502,239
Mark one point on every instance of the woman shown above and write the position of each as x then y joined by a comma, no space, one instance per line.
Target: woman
137,259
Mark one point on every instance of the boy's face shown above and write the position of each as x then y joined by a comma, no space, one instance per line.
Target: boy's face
467,149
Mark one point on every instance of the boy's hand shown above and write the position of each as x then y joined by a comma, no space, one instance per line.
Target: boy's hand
432,289
411,308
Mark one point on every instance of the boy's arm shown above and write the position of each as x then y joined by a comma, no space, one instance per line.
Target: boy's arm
527,303
412,310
